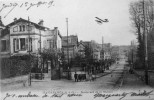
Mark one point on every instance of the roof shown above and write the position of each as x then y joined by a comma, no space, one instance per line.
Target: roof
23,20
86,43
5,32
81,43
1,23
75,36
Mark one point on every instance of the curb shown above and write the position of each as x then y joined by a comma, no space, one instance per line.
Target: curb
103,74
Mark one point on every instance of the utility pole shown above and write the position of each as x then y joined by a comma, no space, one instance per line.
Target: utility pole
29,52
145,47
67,48
40,53
132,45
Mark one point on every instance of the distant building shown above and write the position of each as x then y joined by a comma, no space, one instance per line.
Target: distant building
107,50
95,49
71,46
120,52
81,49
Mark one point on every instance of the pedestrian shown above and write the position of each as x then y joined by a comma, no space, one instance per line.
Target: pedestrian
90,77
76,77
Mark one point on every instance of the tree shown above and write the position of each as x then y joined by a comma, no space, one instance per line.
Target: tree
88,55
137,17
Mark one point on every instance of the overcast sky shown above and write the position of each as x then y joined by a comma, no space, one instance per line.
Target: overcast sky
81,15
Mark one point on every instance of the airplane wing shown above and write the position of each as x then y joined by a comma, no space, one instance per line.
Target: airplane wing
105,20
99,22
98,18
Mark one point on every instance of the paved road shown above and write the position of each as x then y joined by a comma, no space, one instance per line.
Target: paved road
108,82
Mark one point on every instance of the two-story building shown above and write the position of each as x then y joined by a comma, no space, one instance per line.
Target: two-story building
81,49
70,46
24,37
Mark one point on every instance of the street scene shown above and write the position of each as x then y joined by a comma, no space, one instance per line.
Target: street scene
74,49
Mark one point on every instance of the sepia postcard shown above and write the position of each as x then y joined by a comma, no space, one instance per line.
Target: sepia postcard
77,49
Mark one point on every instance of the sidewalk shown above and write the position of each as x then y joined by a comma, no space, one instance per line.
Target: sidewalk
24,78
141,73
14,80
133,82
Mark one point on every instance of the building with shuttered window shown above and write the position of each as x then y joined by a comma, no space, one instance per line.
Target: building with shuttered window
23,37
26,36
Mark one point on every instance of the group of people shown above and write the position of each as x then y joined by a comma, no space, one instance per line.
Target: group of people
79,77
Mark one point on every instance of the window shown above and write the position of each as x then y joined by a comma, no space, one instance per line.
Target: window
16,44
3,48
15,29
22,28
22,44
50,44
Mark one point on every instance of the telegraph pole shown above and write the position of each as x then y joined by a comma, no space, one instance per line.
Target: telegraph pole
132,45
29,52
40,54
145,47
67,47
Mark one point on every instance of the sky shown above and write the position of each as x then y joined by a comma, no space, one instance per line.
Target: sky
81,18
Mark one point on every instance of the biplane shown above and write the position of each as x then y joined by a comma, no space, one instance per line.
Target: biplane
100,21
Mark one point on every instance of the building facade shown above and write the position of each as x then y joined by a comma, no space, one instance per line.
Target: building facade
23,37
70,46
107,50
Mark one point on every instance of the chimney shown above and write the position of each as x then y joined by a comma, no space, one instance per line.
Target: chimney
15,19
55,28
41,22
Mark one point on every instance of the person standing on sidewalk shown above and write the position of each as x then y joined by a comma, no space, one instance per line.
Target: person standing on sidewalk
76,77
90,76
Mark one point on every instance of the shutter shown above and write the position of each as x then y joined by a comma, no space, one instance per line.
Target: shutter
26,44
14,44
31,41
17,44
33,45
7,45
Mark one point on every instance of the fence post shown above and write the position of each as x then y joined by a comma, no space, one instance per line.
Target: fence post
29,79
